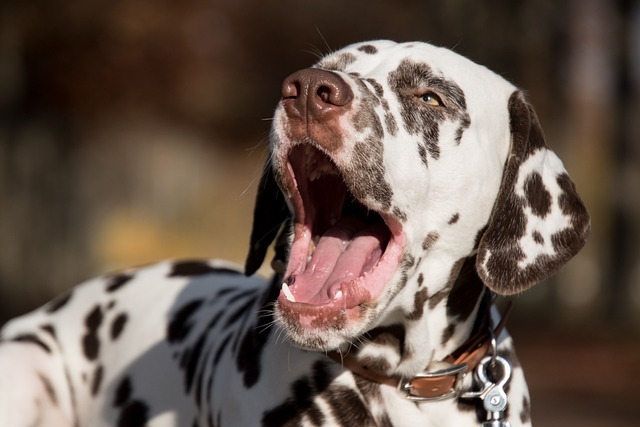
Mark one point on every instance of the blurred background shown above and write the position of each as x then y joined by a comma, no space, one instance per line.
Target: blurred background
135,130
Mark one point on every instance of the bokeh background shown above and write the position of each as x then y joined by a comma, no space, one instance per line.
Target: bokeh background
135,130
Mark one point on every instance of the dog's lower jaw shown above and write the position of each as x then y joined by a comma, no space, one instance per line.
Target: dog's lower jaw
322,328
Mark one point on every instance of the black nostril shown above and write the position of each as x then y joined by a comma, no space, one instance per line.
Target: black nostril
324,93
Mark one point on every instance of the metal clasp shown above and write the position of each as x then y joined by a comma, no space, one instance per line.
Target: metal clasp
405,386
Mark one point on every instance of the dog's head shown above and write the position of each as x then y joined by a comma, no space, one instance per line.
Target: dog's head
392,160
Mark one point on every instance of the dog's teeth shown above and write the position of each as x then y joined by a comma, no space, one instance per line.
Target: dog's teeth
338,295
287,293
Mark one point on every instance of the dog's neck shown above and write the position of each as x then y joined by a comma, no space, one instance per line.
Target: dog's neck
428,327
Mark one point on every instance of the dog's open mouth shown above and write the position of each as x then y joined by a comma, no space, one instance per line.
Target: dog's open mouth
343,254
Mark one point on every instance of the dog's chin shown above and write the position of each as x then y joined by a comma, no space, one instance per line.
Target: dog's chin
321,328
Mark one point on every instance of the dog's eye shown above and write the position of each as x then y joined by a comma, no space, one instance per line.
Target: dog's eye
432,99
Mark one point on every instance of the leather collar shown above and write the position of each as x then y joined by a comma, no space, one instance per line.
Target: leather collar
444,382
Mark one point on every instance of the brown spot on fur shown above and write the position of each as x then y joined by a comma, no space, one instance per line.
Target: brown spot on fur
391,124
447,333
368,49
538,238
377,87
409,81
538,198
365,116
439,296
365,174
397,212
454,218
430,240
419,301
392,336
465,122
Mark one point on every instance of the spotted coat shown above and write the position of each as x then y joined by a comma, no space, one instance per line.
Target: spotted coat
466,199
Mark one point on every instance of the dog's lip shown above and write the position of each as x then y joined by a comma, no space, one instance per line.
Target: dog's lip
345,295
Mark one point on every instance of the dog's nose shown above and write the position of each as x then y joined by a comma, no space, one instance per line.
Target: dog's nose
315,93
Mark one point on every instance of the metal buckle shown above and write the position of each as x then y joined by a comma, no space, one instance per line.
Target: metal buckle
404,386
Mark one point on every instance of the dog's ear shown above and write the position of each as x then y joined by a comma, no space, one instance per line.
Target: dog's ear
538,221
269,213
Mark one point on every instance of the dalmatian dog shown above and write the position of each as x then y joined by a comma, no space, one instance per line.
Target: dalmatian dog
406,187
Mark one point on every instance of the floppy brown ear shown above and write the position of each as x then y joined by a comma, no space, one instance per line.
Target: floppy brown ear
269,213
538,221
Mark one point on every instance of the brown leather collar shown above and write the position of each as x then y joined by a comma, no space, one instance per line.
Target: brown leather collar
442,383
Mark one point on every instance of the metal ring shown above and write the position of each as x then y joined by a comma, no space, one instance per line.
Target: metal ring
506,371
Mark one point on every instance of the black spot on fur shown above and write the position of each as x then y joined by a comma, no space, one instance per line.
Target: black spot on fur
59,302
525,414
220,350
197,268
90,341
32,339
180,323
190,360
454,218
347,405
321,376
243,310
369,49
49,329
134,414
117,326
252,344
97,380
289,412
116,282
123,392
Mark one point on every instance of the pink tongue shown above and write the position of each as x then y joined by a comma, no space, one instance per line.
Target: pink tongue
343,253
